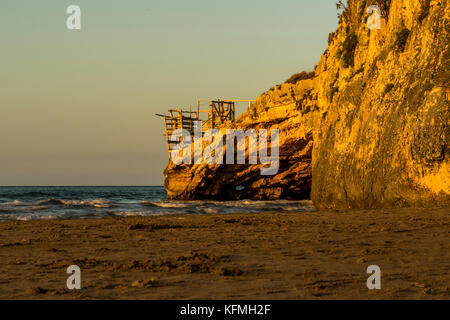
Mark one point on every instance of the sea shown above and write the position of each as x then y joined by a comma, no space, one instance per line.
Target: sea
28,203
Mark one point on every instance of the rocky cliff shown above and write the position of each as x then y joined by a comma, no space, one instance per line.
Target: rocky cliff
369,128
277,109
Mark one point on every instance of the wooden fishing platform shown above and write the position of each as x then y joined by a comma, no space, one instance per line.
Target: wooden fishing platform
218,113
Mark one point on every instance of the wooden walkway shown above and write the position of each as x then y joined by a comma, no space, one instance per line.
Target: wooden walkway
218,113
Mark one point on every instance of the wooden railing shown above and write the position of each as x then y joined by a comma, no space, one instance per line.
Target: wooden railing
219,112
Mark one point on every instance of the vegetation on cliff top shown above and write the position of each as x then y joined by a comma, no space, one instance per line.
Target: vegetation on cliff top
300,76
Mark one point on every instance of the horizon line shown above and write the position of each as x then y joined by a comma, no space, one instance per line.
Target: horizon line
1,186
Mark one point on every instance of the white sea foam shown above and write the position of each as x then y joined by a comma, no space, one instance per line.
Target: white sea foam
97,203
170,204
88,203
17,203
142,213
27,217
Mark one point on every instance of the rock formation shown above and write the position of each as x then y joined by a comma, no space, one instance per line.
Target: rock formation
277,109
370,127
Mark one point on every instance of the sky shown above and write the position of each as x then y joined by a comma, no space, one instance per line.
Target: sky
77,106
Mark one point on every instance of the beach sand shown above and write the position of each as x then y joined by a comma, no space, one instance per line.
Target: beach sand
298,255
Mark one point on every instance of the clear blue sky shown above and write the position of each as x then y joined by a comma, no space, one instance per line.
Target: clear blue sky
77,107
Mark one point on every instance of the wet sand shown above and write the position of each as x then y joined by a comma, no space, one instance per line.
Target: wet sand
304,255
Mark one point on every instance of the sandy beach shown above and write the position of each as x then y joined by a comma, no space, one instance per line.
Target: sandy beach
298,255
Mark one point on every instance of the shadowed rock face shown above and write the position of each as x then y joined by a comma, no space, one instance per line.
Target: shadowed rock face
371,129
242,181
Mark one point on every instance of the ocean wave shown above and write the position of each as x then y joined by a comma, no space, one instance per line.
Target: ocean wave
287,205
166,204
27,217
129,213
89,202
145,213
96,203
16,203
148,203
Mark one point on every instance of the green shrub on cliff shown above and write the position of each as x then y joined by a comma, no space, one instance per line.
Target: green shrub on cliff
331,37
388,88
334,88
401,39
347,52
300,76
340,7
333,91
425,10
384,5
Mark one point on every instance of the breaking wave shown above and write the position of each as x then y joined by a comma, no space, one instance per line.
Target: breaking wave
97,203
27,203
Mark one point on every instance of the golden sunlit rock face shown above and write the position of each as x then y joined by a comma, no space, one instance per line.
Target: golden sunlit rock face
383,132
370,129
